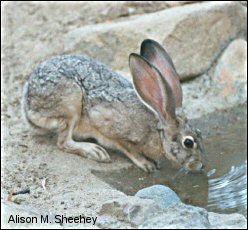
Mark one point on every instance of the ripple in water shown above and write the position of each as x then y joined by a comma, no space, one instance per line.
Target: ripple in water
229,192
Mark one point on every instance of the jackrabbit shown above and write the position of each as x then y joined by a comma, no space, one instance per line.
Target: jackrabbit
82,98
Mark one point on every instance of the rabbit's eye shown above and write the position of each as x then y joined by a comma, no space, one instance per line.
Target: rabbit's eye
188,142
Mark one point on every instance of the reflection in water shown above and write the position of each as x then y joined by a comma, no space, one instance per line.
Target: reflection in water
229,192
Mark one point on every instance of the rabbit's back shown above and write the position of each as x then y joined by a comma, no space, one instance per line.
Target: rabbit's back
95,79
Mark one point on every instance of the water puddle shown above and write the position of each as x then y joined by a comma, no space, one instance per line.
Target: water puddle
223,186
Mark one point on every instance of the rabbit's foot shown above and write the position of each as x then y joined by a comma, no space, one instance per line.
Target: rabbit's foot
85,149
146,165
140,161
95,152
88,150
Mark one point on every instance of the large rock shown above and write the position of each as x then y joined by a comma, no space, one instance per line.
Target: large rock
121,9
224,88
162,195
132,211
194,35
180,216
183,216
231,70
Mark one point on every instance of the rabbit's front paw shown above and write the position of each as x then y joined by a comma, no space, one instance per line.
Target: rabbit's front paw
146,165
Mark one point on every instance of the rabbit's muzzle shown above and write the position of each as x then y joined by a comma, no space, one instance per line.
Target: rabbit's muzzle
194,165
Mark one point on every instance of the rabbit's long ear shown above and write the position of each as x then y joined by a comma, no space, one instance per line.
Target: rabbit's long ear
152,88
158,57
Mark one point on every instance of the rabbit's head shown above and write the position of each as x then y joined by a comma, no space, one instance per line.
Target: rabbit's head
158,86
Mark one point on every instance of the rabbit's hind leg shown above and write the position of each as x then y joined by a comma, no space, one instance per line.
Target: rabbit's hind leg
72,108
60,108
85,149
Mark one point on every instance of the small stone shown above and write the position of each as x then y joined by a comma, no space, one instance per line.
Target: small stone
162,195
18,200
88,205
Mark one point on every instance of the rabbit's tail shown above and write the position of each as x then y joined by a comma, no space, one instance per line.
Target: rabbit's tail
34,118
